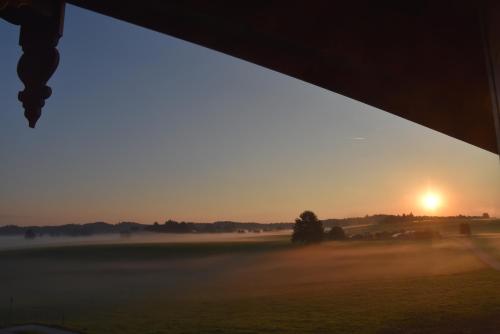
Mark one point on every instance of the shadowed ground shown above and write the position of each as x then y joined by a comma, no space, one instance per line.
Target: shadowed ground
34,329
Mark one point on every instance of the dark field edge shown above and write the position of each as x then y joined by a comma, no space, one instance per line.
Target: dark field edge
59,327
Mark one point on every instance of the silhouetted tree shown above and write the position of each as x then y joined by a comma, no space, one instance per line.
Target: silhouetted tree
486,215
308,228
465,229
336,233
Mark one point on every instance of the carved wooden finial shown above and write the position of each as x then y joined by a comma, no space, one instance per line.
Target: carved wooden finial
37,64
41,27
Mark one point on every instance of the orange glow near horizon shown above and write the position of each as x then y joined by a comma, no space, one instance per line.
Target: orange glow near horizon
431,201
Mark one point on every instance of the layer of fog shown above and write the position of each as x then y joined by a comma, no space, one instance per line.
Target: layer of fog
19,242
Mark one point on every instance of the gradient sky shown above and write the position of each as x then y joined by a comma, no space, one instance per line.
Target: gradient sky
145,127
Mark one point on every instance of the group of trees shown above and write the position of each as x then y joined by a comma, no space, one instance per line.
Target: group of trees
309,229
172,226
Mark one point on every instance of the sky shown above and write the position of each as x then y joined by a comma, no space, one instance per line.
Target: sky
145,127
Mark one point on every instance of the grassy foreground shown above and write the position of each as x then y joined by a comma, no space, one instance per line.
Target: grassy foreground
253,287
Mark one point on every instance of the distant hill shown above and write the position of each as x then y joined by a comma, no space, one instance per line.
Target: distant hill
73,229
172,226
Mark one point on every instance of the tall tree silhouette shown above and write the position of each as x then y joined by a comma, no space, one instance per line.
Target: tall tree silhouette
308,228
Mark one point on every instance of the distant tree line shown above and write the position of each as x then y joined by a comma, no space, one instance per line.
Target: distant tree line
394,219
171,226
128,228
72,230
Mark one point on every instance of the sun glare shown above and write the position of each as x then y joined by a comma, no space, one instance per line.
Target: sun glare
431,201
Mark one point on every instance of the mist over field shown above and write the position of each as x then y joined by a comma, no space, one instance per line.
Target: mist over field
256,282
19,242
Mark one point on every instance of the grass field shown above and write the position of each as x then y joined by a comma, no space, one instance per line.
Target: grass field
269,286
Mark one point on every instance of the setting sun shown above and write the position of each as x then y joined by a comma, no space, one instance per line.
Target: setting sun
431,201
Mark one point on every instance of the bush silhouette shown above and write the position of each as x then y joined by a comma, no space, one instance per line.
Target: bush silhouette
465,229
307,228
29,234
336,233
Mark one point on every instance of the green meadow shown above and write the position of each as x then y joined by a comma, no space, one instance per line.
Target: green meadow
262,285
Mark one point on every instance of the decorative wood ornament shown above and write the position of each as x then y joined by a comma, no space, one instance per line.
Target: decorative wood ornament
41,28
